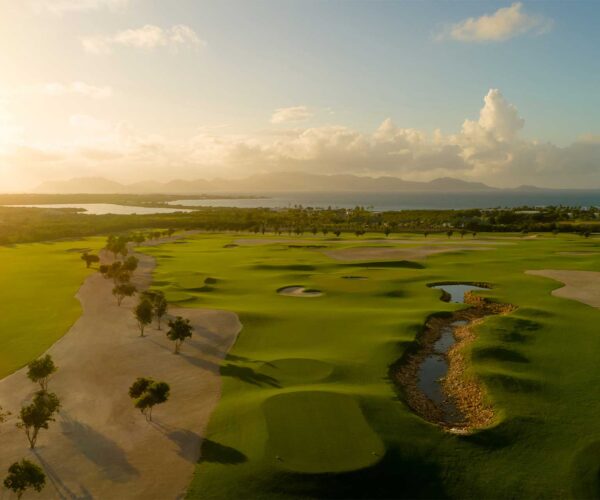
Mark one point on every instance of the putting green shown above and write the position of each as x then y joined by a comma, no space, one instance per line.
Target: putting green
319,432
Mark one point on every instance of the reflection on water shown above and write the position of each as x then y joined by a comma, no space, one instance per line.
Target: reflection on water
434,368
457,292
107,208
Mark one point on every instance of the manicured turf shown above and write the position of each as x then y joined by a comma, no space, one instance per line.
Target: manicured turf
38,283
306,389
337,439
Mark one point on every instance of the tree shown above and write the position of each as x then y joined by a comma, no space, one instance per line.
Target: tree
159,304
89,259
117,245
115,272
24,475
179,330
130,264
147,393
123,290
337,233
38,415
143,314
160,307
40,370
387,230
449,233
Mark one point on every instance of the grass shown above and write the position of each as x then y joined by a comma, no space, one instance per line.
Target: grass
307,379
38,283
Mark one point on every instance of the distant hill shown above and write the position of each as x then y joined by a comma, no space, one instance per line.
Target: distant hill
260,183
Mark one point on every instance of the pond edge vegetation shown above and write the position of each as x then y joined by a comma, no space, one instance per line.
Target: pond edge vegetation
460,386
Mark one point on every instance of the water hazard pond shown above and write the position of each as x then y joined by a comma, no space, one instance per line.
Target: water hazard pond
432,375
434,367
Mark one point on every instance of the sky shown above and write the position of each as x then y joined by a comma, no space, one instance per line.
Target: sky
500,92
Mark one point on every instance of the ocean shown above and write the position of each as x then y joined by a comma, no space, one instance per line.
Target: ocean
408,201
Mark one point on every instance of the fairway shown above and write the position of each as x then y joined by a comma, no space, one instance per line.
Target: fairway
329,356
38,284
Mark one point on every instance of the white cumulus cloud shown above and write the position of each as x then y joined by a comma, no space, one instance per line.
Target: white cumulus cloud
147,37
291,114
488,148
503,24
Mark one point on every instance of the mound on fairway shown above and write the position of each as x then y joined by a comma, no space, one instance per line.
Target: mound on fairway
297,370
393,253
298,291
583,286
319,432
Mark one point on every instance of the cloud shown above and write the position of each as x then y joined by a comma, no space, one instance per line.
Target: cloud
503,24
58,89
291,114
65,6
488,148
147,37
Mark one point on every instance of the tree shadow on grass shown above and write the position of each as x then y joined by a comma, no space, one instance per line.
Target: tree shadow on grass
244,359
246,374
99,449
396,476
214,452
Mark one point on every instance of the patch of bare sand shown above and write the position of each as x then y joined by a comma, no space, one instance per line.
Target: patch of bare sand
100,446
393,253
583,286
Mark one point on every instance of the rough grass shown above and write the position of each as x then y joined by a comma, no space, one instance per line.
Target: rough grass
38,283
539,365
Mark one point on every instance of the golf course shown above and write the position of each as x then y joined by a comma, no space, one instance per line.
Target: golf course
308,408
309,404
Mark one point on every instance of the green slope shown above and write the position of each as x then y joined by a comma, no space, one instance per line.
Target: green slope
308,410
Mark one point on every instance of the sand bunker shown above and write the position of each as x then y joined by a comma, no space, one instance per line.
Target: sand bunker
393,253
100,446
298,291
583,286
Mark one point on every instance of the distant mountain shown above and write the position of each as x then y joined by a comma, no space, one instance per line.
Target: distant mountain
451,184
261,183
